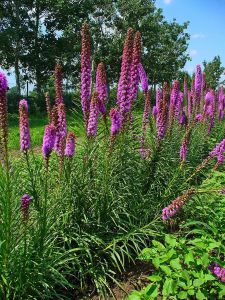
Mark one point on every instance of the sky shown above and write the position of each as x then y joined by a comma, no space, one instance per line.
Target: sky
207,27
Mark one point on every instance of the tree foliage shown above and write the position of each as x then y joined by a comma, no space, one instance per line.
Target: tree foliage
213,71
38,33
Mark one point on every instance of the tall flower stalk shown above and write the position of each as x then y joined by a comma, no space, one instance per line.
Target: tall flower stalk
24,126
85,72
198,87
136,56
101,88
48,106
145,122
123,92
115,125
93,117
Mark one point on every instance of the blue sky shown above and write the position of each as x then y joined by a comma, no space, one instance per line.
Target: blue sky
207,27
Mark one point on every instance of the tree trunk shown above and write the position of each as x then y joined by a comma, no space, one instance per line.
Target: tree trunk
17,73
37,62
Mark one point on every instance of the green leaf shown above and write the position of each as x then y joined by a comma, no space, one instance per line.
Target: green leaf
134,296
170,240
200,295
189,257
175,264
147,254
191,292
155,277
182,295
209,277
166,269
158,245
153,292
205,259
156,262
168,287
198,282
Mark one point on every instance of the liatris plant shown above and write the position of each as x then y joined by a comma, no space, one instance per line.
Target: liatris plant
218,152
48,140
58,85
134,79
93,117
101,88
85,72
48,106
145,122
25,203
24,126
115,121
183,119
115,126
70,145
218,271
143,78
174,101
124,82
198,86
61,130
185,87
208,105
212,113
184,148
221,103
176,205
154,112
3,112
190,106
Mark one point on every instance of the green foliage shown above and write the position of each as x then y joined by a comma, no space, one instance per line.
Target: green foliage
181,269
49,31
213,71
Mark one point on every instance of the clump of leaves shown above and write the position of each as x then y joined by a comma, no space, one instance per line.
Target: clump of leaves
181,269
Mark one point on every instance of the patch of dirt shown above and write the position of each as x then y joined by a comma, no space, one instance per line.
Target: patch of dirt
134,279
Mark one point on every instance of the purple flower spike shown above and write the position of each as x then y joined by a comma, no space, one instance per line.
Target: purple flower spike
134,78
218,271
143,78
85,72
24,126
154,111
93,118
48,140
218,152
183,119
199,118
198,81
115,121
3,109
70,145
61,129
101,87
123,92
25,203
176,205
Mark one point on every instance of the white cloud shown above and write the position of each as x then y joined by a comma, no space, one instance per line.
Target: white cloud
167,1
193,52
198,36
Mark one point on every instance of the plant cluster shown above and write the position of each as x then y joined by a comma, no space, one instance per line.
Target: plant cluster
77,215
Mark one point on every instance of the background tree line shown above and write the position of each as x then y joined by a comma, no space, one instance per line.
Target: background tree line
35,34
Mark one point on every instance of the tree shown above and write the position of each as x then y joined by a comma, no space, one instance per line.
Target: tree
213,71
